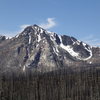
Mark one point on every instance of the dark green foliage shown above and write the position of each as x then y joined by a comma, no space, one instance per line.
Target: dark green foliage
58,85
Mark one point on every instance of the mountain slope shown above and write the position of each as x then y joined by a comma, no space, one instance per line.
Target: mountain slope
43,50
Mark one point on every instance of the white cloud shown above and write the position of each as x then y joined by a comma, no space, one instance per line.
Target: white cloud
49,24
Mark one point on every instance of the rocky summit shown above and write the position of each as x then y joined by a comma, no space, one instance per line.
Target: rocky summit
37,48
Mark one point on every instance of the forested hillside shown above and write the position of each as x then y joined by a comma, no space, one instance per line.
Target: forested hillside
63,84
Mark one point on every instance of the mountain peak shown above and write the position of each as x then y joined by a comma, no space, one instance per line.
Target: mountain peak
35,26
75,48
35,47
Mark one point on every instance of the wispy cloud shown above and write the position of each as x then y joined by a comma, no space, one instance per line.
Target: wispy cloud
49,24
92,40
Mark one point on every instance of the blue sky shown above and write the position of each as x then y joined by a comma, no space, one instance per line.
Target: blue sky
78,18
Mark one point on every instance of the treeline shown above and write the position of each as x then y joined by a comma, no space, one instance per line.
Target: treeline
63,84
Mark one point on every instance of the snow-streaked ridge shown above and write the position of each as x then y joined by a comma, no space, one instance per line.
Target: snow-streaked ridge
53,36
68,48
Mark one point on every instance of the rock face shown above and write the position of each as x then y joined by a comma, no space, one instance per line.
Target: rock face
40,49
2,38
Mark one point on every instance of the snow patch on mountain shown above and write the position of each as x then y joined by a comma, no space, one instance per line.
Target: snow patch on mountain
90,51
41,30
30,38
24,67
68,48
39,38
52,37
